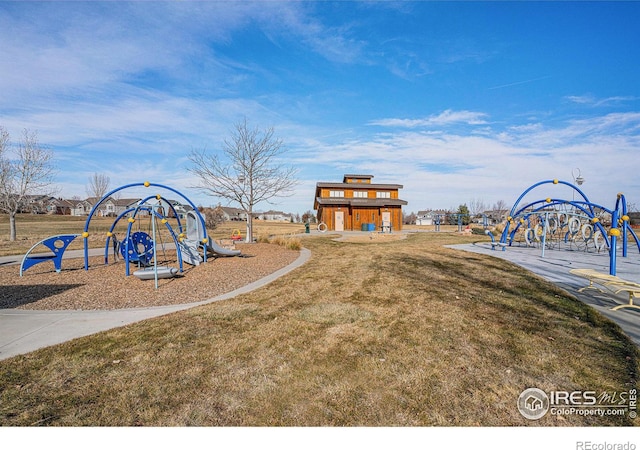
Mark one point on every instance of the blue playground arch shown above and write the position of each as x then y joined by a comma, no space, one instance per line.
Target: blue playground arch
134,211
547,214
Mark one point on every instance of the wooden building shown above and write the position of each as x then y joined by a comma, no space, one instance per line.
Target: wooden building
358,204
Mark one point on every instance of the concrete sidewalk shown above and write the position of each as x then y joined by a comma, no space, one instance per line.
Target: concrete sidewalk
24,331
554,266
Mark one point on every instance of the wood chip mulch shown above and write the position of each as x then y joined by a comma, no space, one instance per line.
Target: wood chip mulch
106,286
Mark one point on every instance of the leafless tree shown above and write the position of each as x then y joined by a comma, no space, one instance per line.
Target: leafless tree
29,172
98,185
309,216
248,171
500,205
476,206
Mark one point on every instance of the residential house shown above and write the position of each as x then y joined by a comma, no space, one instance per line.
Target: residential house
121,205
81,208
60,206
495,216
358,204
233,214
277,216
430,217
34,204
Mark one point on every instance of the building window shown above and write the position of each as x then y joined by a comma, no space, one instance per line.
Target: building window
360,194
336,193
386,194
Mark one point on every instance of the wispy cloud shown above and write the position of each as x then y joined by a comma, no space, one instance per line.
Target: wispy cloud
517,83
447,168
447,117
590,100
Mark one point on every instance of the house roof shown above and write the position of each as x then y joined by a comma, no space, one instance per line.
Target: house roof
125,201
230,209
64,202
362,186
432,211
360,177
272,212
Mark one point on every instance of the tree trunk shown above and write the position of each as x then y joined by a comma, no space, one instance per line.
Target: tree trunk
12,226
249,238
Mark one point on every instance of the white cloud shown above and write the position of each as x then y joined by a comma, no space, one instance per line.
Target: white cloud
590,100
447,169
447,117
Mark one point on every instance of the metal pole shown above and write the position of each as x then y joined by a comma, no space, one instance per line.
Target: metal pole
614,243
544,232
155,253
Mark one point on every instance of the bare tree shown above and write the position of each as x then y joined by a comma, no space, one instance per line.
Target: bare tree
500,205
249,173
98,185
29,172
476,206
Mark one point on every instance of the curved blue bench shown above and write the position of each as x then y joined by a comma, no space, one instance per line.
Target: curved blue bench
495,243
57,245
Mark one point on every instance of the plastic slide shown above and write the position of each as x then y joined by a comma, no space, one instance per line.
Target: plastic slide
221,251
189,251
195,235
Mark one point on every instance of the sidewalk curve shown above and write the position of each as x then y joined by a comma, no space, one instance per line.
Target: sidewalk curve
24,331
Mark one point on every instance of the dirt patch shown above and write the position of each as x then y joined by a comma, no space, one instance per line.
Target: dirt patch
107,287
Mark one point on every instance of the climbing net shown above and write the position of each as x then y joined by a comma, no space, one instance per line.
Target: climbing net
561,227
581,225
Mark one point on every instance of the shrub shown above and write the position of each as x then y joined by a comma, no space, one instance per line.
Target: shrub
263,239
291,243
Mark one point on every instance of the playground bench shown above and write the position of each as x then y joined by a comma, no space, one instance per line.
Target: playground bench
494,243
56,244
612,283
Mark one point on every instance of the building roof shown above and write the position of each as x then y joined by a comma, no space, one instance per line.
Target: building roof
357,186
359,177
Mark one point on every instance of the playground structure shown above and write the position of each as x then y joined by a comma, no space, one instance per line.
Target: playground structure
57,245
578,225
138,246
457,219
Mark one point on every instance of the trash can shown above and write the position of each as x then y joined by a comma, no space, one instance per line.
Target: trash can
306,228
371,227
365,227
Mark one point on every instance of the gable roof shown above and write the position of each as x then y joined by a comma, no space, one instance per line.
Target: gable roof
358,186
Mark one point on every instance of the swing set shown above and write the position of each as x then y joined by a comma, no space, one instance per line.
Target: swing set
141,247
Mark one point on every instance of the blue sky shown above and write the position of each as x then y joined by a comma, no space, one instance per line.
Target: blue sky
457,101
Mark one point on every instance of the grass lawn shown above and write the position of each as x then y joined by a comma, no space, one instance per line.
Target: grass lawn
399,333
31,228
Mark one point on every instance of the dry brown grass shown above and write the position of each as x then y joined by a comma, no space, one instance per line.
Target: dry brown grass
366,334
32,228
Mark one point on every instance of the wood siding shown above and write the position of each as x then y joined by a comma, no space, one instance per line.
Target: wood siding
355,217
348,192
360,203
